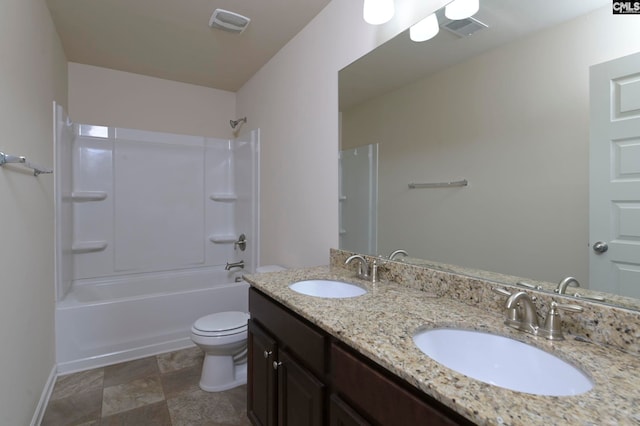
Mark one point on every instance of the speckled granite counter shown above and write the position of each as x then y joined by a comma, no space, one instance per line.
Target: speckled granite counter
381,323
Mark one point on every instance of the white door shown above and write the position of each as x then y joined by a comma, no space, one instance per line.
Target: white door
614,185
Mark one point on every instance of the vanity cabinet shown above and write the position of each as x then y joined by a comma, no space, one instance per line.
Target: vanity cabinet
298,375
287,365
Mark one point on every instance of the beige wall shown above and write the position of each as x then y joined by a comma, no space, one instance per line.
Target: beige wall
115,98
32,74
293,99
515,123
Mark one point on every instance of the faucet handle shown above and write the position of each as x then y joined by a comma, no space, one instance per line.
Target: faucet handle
567,307
527,285
373,271
501,291
552,328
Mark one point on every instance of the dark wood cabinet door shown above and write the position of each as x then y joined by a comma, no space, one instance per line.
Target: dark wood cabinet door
300,394
261,377
340,414
383,398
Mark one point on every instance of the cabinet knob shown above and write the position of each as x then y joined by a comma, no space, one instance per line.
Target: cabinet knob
276,364
267,354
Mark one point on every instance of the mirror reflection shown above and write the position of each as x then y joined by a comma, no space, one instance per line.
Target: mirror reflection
508,110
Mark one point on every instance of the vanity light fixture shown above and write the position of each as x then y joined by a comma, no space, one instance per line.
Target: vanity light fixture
376,12
461,9
425,29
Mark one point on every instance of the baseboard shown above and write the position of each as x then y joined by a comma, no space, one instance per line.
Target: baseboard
44,397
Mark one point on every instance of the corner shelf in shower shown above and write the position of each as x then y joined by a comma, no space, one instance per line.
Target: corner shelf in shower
223,239
88,246
223,196
82,196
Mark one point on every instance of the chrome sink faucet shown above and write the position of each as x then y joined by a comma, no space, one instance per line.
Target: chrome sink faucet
365,271
396,253
562,285
522,315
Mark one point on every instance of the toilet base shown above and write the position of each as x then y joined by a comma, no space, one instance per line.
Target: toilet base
220,373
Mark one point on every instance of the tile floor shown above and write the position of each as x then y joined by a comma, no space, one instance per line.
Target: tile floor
159,390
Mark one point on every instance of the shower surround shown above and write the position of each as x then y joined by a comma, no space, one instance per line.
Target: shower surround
145,224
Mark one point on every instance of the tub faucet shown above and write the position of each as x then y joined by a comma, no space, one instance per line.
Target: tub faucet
364,271
562,285
232,265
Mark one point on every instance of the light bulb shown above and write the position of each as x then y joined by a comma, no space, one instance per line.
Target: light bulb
425,29
461,9
376,12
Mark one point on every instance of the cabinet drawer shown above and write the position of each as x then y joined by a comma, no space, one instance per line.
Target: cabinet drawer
384,400
293,333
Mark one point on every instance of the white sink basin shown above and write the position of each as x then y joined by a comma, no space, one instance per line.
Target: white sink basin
327,288
503,362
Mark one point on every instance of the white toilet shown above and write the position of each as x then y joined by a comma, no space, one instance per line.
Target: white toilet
223,339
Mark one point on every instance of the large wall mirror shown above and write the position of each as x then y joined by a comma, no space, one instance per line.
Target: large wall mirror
508,110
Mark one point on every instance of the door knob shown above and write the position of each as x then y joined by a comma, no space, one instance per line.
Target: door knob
600,247
267,354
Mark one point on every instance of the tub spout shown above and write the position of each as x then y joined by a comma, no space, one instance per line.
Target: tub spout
232,265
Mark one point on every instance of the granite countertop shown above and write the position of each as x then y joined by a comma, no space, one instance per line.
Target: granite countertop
381,323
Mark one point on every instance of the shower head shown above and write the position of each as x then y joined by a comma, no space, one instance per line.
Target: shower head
234,123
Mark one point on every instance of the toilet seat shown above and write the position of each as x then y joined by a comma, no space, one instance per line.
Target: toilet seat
221,324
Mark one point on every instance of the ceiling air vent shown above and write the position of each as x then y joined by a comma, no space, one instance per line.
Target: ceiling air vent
463,27
228,21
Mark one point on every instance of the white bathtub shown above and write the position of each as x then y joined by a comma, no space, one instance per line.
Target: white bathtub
102,322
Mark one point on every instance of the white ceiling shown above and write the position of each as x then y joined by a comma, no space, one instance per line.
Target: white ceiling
171,39
401,61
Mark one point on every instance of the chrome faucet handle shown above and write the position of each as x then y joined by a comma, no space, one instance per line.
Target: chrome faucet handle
501,291
552,328
582,296
373,273
241,243
527,285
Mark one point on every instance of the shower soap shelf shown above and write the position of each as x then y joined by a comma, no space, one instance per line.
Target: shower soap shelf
223,239
81,196
223,196
88,246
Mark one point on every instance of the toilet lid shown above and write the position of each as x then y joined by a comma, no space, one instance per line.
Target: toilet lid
223,321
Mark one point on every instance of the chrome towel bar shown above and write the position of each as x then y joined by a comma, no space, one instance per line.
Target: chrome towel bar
14,159
462,182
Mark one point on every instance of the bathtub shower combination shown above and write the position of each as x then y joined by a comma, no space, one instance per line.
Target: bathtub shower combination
145,224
